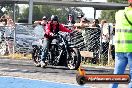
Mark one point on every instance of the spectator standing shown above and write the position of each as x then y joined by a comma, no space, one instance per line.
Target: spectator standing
112,46
3,21
105,41
10,27
42,22
39,26
102,23
80,27
84,22
94,40
10,22
123,42
95,23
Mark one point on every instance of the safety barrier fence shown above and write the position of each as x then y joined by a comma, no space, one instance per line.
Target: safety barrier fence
19,39
92,46
88,39
15,39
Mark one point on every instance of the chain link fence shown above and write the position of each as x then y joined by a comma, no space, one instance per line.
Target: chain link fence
89,40
19,39
6,41
16,39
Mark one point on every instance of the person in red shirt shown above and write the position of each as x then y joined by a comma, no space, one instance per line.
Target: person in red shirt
51,28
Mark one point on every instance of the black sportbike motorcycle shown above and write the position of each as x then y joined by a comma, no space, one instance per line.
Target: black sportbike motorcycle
61,52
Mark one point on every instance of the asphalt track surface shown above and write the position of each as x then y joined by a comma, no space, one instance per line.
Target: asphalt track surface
53,74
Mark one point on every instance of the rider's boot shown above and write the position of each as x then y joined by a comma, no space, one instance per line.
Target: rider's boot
43,64
37,64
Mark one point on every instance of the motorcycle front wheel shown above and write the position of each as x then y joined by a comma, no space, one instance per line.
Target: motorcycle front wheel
74,60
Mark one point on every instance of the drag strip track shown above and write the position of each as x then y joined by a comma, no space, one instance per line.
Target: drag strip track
26,66
26,69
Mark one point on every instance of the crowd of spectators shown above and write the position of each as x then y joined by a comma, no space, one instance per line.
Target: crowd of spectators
6,20
106,35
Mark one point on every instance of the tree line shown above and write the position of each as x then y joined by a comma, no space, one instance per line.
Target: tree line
42,10
109,15
47,10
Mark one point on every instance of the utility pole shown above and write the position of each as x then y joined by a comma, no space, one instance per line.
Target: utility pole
14,12
94,13
30,17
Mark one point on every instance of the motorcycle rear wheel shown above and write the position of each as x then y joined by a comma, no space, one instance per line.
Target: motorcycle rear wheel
36,56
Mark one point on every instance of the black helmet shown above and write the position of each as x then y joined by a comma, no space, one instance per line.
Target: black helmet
44,18
54,18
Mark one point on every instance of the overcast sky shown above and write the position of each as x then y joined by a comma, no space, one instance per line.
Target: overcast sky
89,12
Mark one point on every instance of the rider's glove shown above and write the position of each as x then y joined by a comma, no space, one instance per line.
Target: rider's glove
51,34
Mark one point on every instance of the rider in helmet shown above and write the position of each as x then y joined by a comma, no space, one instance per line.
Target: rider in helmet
51,28
54,18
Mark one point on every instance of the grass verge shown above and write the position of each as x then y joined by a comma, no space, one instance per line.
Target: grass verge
18,56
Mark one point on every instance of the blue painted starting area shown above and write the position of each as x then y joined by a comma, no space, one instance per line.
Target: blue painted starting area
12,82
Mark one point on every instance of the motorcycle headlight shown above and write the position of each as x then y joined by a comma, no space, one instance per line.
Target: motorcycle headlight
68,38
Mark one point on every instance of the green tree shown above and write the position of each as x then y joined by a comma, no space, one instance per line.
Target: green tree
8,7
9,10
109,15
36,13
47,10
118,1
